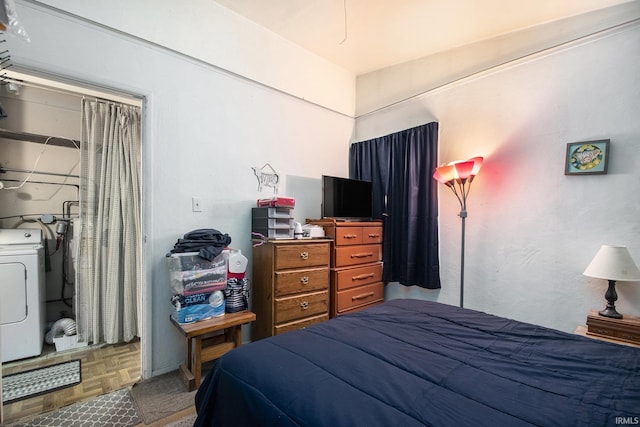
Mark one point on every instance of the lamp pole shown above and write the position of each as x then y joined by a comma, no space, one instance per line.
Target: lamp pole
463,216
464,185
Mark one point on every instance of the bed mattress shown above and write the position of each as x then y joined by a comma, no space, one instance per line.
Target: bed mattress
413,362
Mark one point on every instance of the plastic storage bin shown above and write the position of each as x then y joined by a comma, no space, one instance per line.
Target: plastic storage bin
190,274
262,223
272,212
273,222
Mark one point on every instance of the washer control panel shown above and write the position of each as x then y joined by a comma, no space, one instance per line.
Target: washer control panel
27,237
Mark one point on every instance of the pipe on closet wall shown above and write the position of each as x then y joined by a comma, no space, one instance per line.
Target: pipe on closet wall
66,175
43,182
40,139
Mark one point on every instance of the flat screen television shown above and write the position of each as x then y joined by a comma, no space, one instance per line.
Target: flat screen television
347,199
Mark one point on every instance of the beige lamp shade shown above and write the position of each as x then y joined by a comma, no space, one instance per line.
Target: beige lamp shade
613,263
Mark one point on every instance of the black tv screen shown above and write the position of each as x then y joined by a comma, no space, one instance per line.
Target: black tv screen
344,198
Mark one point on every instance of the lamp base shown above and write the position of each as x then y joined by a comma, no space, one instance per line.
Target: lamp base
611,296
610,312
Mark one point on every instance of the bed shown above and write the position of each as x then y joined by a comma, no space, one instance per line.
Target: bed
412,362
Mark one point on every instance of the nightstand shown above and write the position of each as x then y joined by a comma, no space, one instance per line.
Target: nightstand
621,331
205,343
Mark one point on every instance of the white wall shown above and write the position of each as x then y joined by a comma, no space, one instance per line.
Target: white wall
380,88
207,31
203,130
531,230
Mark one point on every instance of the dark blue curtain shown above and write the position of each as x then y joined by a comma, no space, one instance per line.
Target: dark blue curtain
400,166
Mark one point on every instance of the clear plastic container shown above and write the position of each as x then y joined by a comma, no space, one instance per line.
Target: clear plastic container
190,274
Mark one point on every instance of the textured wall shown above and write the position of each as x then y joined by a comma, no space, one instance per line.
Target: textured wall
531,230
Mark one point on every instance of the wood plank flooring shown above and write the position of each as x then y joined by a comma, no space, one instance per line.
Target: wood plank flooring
104,369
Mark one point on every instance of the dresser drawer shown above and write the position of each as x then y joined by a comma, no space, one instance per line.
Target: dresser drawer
297,281
353,255
358,235
355,297
371,235
360,307
300,324
301,256
351,277
348,236
300,306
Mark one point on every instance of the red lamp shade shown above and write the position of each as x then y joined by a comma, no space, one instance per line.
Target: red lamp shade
477,164
463,169
445,173
460,169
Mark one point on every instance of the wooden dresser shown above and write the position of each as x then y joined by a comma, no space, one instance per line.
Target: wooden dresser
290,285
356,264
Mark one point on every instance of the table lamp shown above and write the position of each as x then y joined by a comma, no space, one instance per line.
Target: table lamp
613,263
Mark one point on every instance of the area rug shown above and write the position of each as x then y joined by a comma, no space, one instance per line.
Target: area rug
115,409
35,382
161,396
186,421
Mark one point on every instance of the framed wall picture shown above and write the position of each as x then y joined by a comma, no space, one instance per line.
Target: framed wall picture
587,157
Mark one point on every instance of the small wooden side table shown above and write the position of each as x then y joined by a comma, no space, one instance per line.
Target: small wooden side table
206,343
582,330
626,329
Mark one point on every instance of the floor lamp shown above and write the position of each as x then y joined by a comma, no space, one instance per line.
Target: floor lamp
458,176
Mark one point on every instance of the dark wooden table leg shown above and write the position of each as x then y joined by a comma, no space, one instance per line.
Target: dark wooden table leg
196,367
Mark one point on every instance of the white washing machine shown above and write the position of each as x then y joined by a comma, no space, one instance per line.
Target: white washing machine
22,293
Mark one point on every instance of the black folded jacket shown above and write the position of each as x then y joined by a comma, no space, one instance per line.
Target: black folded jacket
208,242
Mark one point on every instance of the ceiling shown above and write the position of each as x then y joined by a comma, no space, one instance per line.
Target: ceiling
367,35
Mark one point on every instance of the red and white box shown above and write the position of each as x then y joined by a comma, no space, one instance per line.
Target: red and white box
281,201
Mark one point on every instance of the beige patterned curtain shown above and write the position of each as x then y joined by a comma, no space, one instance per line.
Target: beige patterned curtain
109,271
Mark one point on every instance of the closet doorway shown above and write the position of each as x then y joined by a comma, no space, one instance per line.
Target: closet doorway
41,126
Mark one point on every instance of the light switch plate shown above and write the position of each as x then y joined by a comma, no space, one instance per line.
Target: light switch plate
196,204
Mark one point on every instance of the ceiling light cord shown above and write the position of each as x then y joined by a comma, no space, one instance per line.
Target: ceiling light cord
344,7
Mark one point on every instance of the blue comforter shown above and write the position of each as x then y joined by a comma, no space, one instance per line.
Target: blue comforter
411,362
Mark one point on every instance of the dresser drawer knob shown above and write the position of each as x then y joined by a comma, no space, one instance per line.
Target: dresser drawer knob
362,276
350,236
304,280
362,296
362,255
304,255
374,236
304,305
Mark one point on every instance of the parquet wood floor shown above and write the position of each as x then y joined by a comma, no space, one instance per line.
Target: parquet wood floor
104,368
